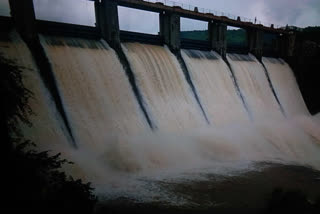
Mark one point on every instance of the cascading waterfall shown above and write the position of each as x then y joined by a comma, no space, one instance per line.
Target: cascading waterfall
288,92
163,84
317,118
254,84
285,86
116,147
95,90
211,77
272,89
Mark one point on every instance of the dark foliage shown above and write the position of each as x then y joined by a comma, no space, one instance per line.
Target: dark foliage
41,186
234,37
237,37
305,64
34,181
312,34
201,35
14,95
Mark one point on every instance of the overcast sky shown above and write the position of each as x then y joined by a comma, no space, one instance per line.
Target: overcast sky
300,13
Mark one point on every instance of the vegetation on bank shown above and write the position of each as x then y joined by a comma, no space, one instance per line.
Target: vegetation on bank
238,36
234,37
34,181
311,34
201,35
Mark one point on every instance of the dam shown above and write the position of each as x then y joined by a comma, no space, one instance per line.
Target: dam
125,107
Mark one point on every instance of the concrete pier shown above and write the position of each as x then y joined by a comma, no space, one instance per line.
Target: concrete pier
255,42
218,37
107,21
286,44
170,30
24,19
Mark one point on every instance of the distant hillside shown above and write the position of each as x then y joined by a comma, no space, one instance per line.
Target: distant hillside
196,34
237,37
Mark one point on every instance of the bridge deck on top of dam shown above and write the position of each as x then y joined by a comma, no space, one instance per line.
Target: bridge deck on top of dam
159,7
108,28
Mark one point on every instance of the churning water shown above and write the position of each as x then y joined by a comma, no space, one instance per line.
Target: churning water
216,88
118,151
167,94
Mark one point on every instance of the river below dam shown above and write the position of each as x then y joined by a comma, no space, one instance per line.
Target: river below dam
264,188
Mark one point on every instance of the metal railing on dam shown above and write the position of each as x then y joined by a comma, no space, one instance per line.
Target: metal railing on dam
206,10
211,11
193,12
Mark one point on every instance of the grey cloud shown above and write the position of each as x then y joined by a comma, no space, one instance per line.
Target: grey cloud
292,12
4,8
70,11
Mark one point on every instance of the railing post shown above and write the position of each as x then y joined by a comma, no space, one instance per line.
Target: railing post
255,42
170,30
24,19
218,37
107,21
